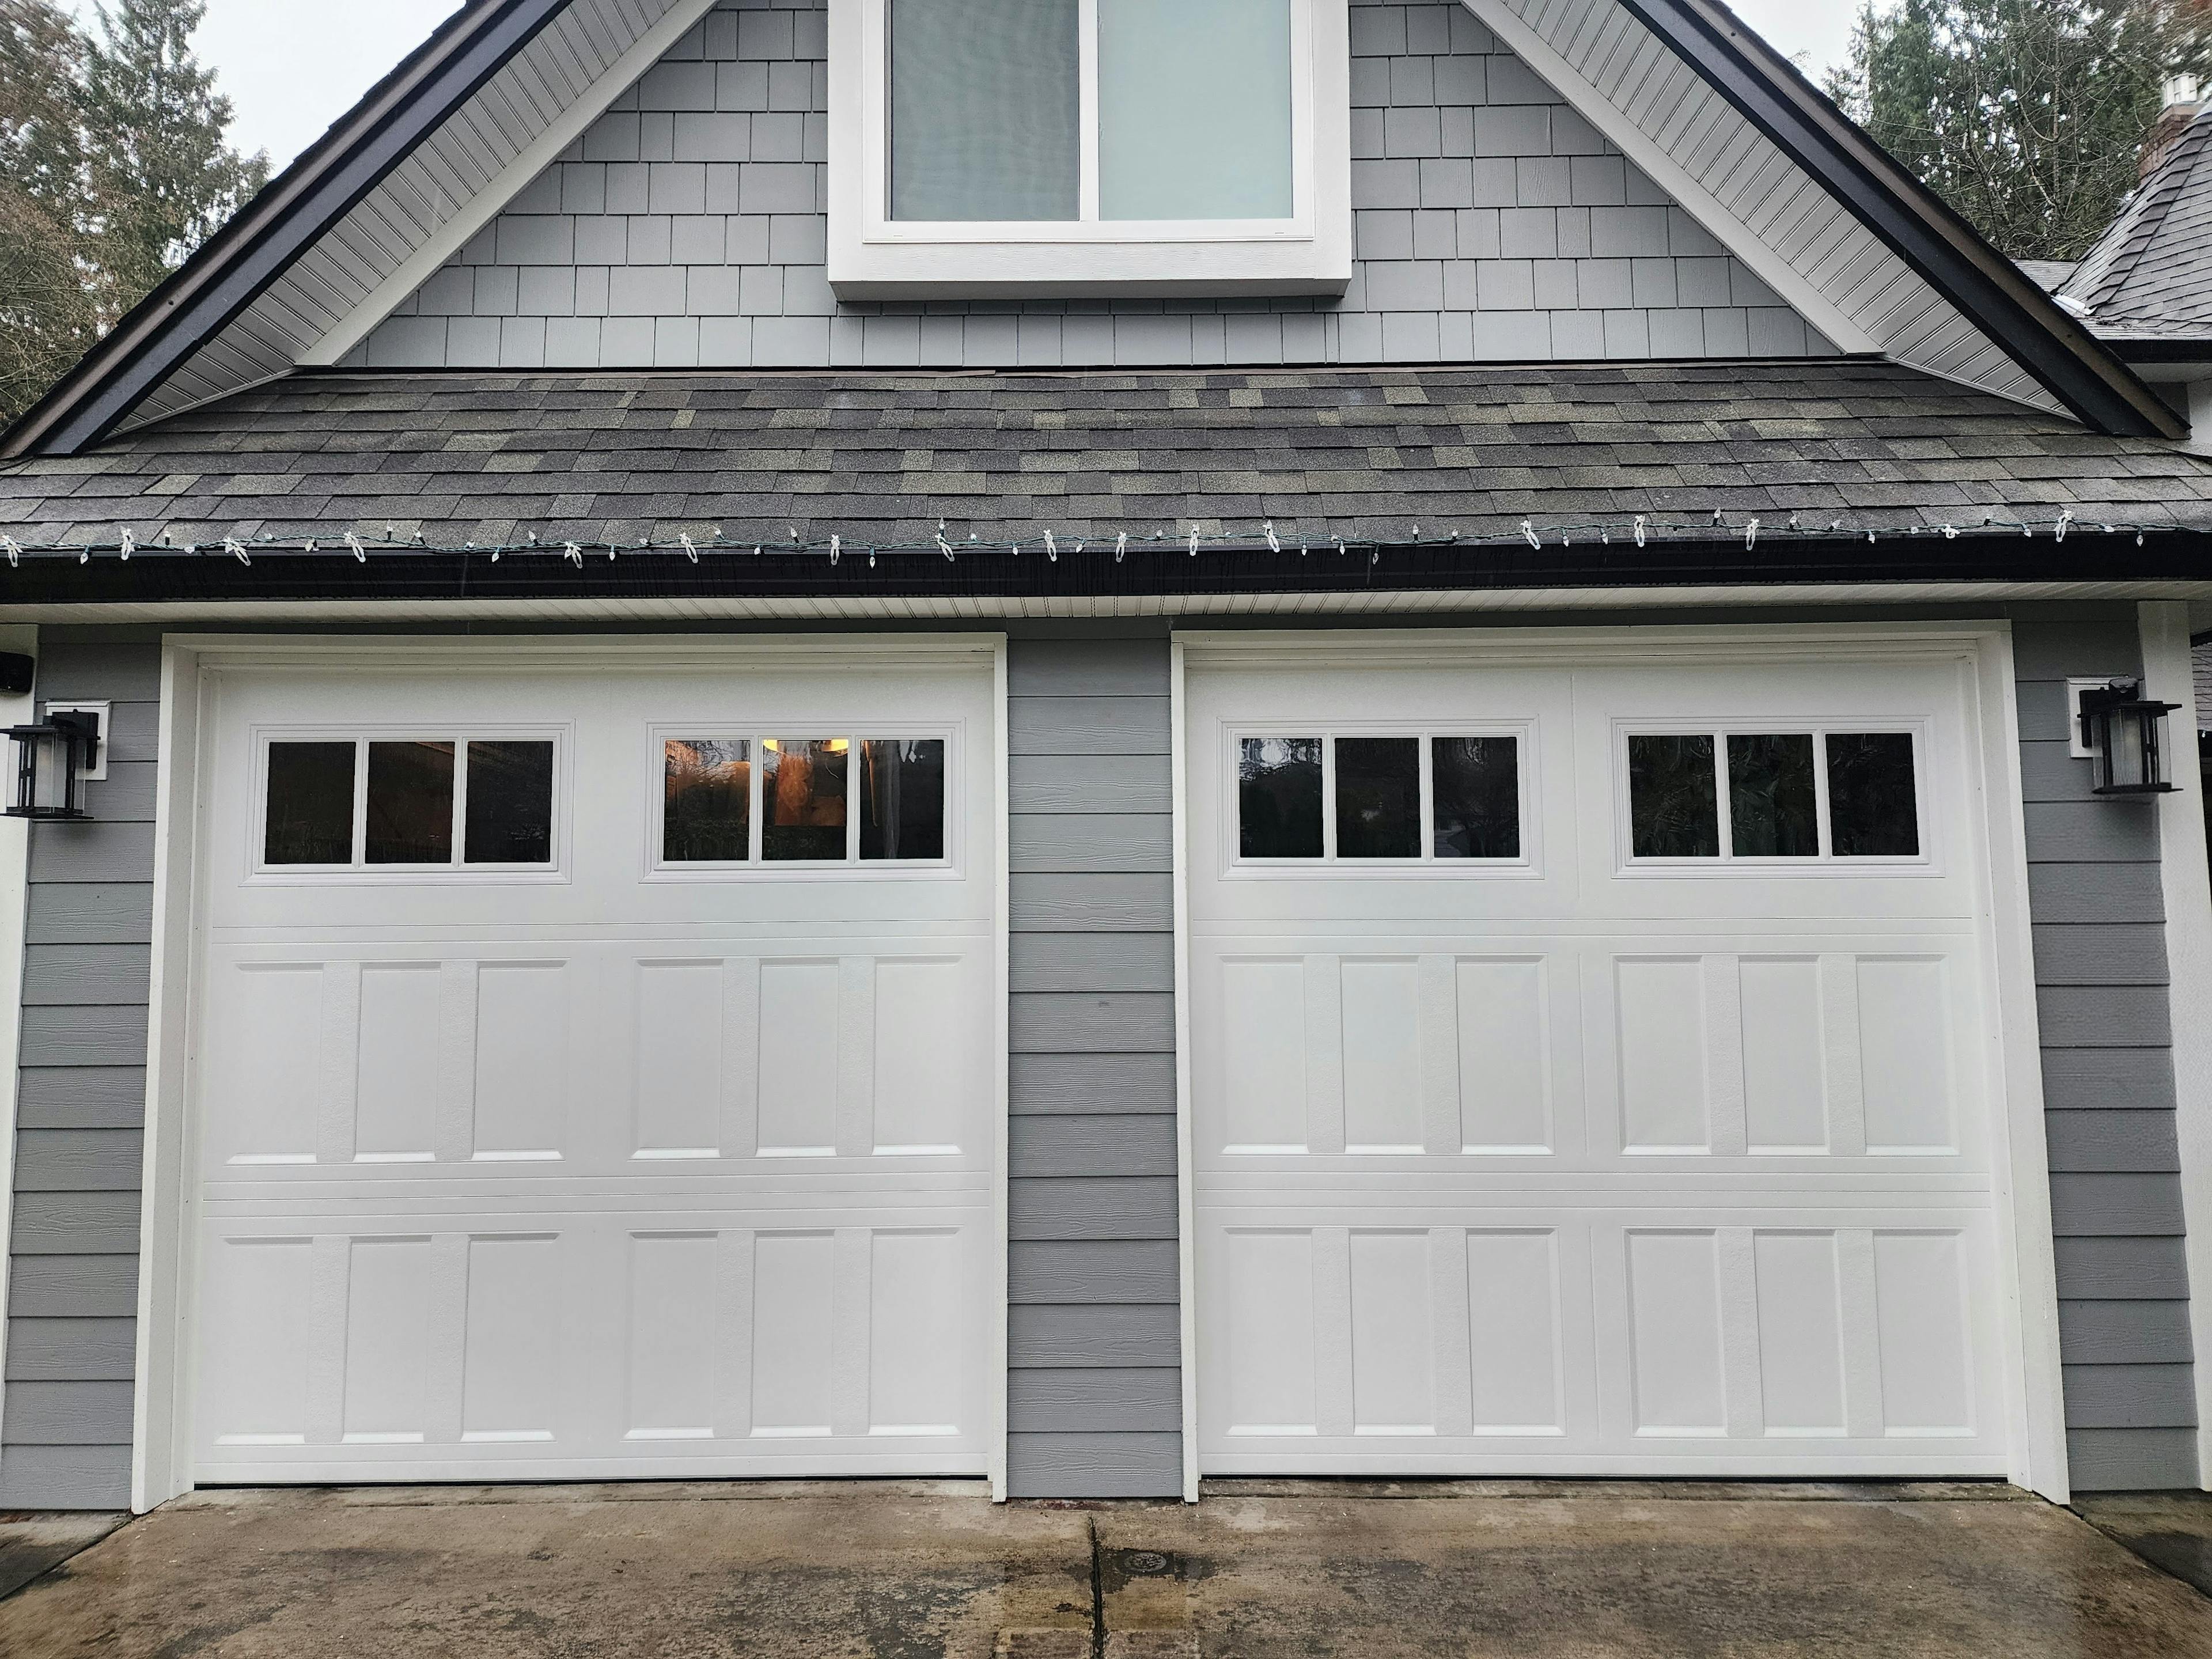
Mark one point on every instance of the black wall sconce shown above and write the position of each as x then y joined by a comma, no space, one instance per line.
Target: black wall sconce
2121,731
51,762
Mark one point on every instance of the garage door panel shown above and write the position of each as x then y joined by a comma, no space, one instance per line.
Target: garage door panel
1782,1342
527,1056
612,1168
606,1344
1599,1162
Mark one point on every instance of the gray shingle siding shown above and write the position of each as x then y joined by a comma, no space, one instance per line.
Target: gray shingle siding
2103,1009
1094,1392
73,1269
687,229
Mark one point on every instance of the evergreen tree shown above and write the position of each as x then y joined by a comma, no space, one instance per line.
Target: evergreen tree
48,313
2027,116
163,178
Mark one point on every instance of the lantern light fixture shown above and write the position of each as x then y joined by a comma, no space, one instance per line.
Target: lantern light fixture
2122,730
53,762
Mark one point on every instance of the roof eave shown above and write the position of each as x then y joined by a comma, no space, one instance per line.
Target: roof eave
227,273
2092,382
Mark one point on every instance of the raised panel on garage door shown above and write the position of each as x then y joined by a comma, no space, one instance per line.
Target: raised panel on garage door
559,1119
1653,1138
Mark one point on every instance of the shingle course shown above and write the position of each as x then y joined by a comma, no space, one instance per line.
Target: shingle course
879,457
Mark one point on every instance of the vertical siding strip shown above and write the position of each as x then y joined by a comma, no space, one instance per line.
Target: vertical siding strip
76,871
1075,694
2090,952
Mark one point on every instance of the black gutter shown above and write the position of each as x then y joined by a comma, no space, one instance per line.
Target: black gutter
290,214
1148,571
1953,255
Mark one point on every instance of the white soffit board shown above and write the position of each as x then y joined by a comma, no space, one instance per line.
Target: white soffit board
453,185
1803,241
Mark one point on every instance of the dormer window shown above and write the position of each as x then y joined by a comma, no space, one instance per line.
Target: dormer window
1089,146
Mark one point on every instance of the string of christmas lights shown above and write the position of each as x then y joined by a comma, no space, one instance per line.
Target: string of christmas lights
1641,530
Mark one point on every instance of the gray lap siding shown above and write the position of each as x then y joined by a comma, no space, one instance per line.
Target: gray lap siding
2103,1012
73,1271
1094,1392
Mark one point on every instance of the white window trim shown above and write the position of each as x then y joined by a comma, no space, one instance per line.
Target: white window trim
873,257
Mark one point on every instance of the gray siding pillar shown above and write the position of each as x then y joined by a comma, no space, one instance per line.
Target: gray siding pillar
2103,1007
1094,1384
73,1271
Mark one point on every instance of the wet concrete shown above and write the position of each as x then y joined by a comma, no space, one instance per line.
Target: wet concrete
2171,1530
917,1571
32,1544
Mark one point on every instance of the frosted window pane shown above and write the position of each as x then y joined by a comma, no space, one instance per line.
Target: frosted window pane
985,98
1194,109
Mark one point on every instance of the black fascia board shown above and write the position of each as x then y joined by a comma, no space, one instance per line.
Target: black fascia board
1919,227
285,219
2163,351
1722,559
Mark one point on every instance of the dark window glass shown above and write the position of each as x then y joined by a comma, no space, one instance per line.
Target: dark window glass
411,803
1279,797
1673,809
310,803
1378,798
510,810
1477,798
1873,809
1773,811
708,817
805,815
902,799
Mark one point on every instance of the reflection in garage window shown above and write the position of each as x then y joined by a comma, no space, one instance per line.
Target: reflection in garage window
1674,806
902,799
1773,810
1477,798
1378,798
410,804
310,817
1279,797
804,790
510,806
707,817
1873,811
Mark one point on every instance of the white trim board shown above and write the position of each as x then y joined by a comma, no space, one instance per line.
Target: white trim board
2033,1394
487,204
2186,880
1186,1144
162,1413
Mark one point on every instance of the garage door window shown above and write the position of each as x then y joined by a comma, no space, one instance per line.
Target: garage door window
408,803
1785,796
818,801
1410,798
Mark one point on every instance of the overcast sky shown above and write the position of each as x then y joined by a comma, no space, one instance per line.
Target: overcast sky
292,67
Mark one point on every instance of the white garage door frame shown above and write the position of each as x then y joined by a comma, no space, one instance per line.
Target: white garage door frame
2033,1395
161,1461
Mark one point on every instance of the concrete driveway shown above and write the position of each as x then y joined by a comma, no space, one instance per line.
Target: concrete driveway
917,1571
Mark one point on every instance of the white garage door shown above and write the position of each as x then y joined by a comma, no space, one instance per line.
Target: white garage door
595,1070
1591,1065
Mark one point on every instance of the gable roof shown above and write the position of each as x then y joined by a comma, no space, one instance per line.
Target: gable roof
2149,277
466,122
469,115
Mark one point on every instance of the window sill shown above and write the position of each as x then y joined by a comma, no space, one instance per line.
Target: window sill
1080,266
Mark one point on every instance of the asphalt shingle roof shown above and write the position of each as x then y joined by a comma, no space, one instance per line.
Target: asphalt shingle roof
2150,278
883,457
